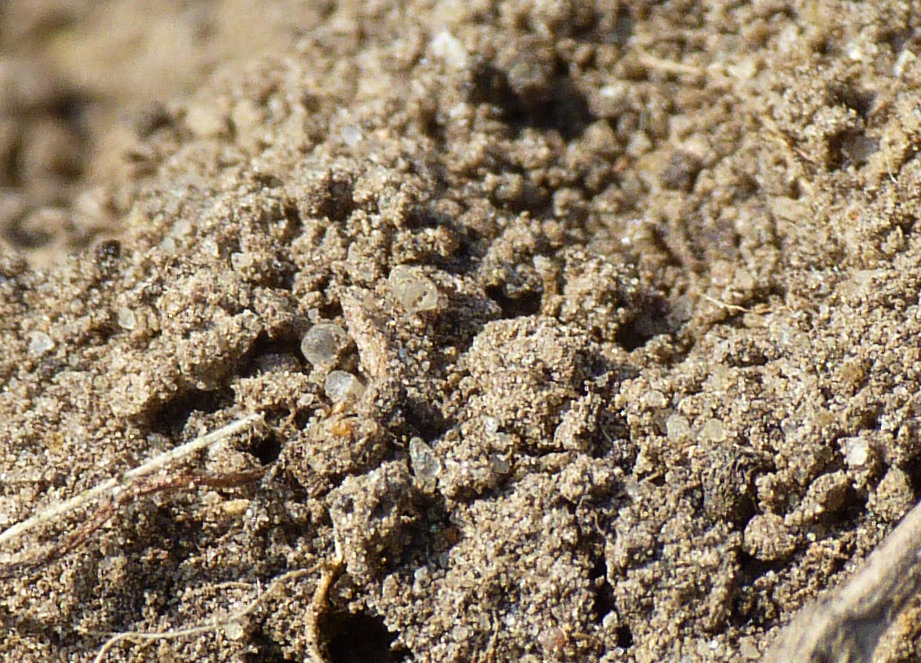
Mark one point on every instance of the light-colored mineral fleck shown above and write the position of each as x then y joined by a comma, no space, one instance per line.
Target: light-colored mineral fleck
857,453
499,464
655,399
126,318
324,342
425,464
677,427
713,430
342,386
415,291
40,343
448,48
351,135
242,261
234,631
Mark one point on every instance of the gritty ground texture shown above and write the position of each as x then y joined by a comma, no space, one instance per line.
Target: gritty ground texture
659,383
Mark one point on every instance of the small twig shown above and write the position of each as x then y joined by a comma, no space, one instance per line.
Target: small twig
846,625
215,623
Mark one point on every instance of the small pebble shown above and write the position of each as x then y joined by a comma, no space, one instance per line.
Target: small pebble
767,538
342,386
241,261
425,464
713,430
655,399
857,453
323,343
233,630
126,318
412,289
351,135
40,343
677,427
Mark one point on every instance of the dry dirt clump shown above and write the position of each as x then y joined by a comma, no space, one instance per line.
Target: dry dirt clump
616,349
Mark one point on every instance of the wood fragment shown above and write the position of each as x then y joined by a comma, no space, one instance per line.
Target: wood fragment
846,625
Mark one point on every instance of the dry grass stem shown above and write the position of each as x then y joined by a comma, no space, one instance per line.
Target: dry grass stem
126,488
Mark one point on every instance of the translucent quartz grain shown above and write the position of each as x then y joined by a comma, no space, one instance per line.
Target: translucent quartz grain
323,342
343,386
412,289
677,427
424,462
40,343
126,318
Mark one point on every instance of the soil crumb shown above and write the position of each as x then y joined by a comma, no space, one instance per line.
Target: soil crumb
579,331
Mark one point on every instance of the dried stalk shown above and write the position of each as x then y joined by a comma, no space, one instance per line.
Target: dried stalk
846,625
122,490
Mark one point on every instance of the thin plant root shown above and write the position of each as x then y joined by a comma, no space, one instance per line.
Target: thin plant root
218,622
318,607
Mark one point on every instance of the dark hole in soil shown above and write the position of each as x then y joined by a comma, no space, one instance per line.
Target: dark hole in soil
360,638
651,321
629,337
624,636
604,593
268,354
514,307
268,651
560,105
849,148
267,449
860,101
172,416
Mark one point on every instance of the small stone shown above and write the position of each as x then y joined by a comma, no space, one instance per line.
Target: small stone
857,453
412,289
677,427
713,430
826,495
499,464
323,343
425,464
234,631
767,538
893,497
342,386
351,135
448,48
242,261
655,399
126,318
40,343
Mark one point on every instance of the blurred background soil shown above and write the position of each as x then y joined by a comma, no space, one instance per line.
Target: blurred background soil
622,352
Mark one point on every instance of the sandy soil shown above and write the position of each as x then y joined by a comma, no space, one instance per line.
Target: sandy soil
613,339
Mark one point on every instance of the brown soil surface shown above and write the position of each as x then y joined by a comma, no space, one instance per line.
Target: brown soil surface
648,377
